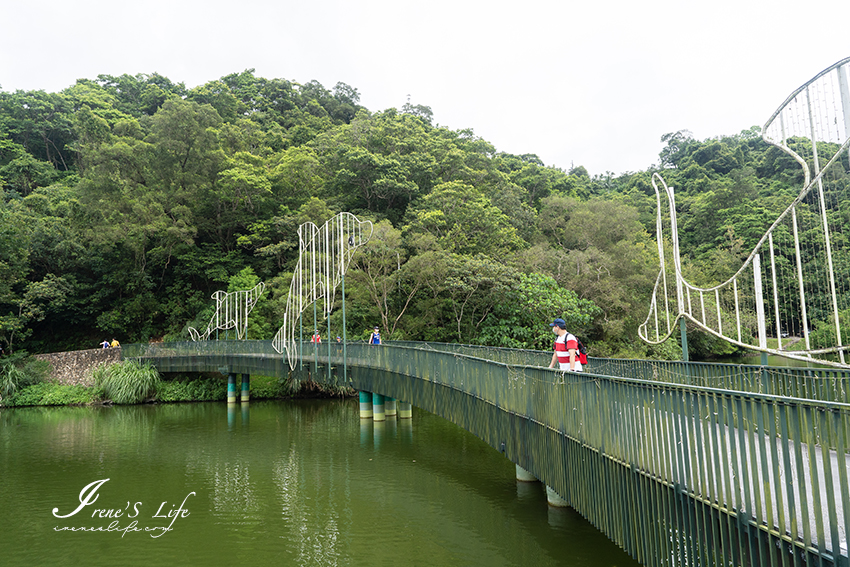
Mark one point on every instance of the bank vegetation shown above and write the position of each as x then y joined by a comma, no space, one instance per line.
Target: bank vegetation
24,382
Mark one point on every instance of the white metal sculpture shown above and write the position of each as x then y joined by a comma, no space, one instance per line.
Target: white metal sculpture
323,257
794,284
231,312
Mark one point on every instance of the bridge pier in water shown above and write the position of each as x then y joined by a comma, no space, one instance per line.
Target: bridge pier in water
552,497
375,405
390,407
365,405
246,387
378,407
231,388
523,475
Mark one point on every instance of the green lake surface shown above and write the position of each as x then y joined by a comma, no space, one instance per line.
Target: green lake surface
270,483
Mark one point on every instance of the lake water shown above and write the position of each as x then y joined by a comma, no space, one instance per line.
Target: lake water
270,483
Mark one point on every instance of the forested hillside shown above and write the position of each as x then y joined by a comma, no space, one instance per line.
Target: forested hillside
127,201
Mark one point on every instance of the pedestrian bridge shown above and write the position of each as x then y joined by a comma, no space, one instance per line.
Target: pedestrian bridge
678,463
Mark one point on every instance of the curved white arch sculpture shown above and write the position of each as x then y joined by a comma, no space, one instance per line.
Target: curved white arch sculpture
323,257
231,312
796,281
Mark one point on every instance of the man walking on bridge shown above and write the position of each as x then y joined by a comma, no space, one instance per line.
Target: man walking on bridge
566,348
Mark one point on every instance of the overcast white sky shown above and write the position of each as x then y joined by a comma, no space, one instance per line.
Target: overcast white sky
593,83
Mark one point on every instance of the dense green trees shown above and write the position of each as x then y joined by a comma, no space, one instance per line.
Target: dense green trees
127,201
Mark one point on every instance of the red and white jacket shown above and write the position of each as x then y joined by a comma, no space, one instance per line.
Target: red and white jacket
563,344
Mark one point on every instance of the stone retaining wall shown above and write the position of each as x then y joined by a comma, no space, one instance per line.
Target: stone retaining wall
76,367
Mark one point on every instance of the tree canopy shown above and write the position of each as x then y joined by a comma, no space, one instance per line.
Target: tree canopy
127,201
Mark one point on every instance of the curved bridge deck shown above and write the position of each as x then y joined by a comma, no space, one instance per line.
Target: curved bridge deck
675,473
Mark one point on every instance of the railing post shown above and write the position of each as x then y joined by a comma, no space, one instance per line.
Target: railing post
313,341
329,348
759,297
344,336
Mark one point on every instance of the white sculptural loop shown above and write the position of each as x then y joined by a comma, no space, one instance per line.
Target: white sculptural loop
323,256
231,312
799,282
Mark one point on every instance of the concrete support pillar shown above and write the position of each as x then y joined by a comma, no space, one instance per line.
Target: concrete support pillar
246,387
390,407
378,412
231,388
523,475
365,405
554,499
404,410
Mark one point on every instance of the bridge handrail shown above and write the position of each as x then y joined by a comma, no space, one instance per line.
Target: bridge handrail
754,456
819,384
693,448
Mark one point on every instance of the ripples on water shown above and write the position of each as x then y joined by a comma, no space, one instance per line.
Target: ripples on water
275,483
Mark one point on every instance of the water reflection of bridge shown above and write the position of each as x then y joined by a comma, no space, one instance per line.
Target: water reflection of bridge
678,463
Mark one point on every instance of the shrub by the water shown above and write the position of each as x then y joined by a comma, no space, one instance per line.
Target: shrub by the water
269,387
50,394
197,390
127,382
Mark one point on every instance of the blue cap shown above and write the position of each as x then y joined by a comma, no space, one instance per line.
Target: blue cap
559,323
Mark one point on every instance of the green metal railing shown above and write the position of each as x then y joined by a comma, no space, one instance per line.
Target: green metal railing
823,384
675,473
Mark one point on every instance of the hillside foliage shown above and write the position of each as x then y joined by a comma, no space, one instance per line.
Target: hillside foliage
127,201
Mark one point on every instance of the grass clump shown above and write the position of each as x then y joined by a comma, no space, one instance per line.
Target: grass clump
19,371
11,379
126,382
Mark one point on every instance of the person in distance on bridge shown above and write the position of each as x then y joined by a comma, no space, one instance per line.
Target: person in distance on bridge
566,348
375,337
